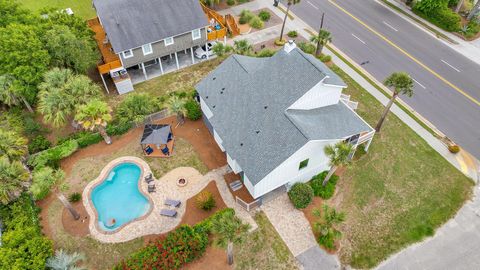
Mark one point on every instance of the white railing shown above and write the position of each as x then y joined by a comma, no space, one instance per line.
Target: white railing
346,99
248,206
365,137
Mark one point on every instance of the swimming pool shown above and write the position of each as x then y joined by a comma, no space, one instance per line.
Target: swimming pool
118,197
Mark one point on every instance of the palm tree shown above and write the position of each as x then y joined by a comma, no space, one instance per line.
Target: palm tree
242,47
339,155
229,229
64,261
289,4
95,115
329,217
401,83
12,145
82,88
13,178
55,105
55,78
10,95
322,39
177,105
473,11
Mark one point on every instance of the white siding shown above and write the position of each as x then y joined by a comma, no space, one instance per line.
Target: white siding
249,185
288,171
206,110
218,140
233,164
319,96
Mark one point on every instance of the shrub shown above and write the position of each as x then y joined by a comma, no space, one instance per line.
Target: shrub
89,138
194,112
454,149
307,47
327,191
325,58
116,129
74,197
242,1
52,156
135,107
279,42
205,201
42,180
37,144
301,195
264,15
256,23
230,2
292,34
245,16
32,127
266,53
439,14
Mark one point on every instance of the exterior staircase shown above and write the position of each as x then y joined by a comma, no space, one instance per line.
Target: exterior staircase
232,26
236,185
227,22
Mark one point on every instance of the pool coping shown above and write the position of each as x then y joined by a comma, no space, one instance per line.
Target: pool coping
87,199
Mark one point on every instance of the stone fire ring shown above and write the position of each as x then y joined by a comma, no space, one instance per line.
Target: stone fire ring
181,182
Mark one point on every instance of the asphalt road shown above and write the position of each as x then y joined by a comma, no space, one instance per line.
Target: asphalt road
447,84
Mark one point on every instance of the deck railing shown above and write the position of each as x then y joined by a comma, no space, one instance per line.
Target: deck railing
248,206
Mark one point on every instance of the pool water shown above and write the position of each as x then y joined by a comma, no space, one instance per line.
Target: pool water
118,197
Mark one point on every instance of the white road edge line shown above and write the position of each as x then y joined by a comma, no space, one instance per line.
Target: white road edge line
358,39
421,85
310,3
446,63
393,28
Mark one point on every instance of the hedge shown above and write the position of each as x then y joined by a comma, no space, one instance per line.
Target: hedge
301,195
51,157
194,112
327,191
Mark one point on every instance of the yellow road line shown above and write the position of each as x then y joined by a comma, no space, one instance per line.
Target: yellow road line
407,54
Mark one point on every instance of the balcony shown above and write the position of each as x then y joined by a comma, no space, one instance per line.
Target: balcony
110,59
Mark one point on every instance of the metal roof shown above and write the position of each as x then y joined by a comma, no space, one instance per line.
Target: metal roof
155,134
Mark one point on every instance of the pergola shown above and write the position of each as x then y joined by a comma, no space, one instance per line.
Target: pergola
157,140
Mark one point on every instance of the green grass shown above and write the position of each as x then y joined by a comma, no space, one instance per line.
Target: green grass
396,194
82,8
263,249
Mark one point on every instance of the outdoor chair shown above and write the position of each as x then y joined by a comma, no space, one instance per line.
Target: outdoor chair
173,203
149,178
151,188
165,151
148,150
170,137
168,212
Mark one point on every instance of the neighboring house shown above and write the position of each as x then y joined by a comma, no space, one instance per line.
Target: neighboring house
145,38
274,116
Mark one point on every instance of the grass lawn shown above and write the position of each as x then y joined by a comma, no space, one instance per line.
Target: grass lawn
263,249
398,193
82,8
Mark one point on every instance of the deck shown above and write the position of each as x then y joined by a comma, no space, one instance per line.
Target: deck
110,59
158,152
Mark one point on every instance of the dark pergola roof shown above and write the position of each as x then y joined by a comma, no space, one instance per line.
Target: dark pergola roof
155,134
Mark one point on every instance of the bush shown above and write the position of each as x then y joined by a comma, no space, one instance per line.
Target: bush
37,144
441,16
264,15
301,195
194,112
42,181
135,107
325,58
74,197
205,201
242,1
266,53
245,16
454,149
327,191
116,129
279,42
307,47
230,2
292,34
256,23
52,156
89,138
31,127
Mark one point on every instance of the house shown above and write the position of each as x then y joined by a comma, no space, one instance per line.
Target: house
142,39
274,116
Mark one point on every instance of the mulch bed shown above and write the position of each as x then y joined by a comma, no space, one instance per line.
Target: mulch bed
273,21
270,44
76,227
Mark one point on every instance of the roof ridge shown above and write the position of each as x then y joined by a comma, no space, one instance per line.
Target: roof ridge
304,55
236,60
302,131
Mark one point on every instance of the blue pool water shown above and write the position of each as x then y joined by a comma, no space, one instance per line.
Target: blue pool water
118,197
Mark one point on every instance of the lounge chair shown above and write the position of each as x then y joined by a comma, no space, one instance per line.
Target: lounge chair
173,203
148,150
168,212
151,188
149,178
165,151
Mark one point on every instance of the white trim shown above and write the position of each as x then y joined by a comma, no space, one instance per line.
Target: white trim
126,57
149,45
199,36
168,43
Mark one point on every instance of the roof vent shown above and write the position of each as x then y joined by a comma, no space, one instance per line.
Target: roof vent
223,88
241,144
257,131
289,46
214,106
206,97
265,107
214,78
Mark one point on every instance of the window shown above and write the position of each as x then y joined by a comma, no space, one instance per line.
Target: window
196,34
147,49
169,41
127,54
303,164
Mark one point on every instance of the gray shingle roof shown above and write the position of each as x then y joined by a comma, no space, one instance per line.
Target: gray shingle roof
131,24
249,97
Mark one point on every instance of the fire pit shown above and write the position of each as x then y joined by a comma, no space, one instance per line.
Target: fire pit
181,182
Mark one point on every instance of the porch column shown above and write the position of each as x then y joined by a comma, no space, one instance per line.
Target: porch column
193,58
368,144
225,40
185,51
206,50
144,71
104,83
160,64
176,61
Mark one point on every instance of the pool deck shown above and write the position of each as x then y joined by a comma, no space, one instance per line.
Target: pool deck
166,187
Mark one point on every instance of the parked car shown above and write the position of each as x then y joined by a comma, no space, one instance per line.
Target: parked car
201,52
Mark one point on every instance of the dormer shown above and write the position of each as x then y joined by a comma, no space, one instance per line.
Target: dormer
321,95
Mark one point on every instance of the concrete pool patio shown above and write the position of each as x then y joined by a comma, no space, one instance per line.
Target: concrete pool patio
166,187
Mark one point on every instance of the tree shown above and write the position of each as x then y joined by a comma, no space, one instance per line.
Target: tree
43,179
177,105
8,95
474,11
289,4
229,229
242,47
135,107
13,178
23,58
459,6
322,38
338,155
12,12
95,115
329,217
401,83
220,49
55,105
68,50
65,261
12,145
